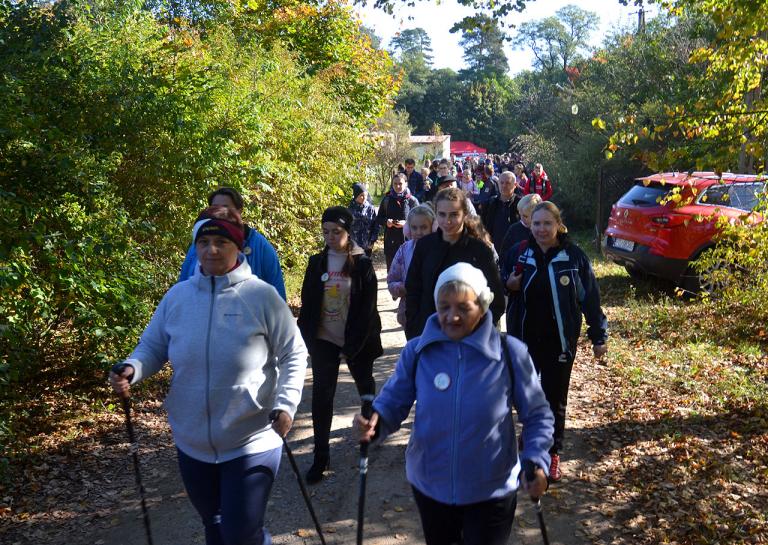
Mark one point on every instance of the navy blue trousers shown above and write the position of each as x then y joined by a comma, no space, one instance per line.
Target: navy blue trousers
231,497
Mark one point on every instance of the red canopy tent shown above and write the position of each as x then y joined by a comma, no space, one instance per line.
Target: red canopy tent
463,148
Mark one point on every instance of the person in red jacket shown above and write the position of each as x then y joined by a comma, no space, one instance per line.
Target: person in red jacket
538,183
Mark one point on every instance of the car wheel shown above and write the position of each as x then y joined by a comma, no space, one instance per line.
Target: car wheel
634,273
706,281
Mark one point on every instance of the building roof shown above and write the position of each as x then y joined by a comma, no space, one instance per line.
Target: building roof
429,139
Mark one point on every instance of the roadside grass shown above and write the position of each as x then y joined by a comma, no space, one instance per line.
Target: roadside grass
684,429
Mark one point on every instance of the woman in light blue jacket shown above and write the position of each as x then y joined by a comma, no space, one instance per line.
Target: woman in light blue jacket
259,253
238,370
462,458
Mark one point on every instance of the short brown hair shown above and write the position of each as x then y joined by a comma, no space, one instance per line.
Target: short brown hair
230,192
220,212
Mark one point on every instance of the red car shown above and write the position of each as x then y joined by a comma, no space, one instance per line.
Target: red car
667,220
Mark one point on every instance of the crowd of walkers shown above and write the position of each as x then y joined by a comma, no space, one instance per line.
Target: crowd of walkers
463,248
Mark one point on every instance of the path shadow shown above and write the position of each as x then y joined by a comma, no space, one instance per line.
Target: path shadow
690,460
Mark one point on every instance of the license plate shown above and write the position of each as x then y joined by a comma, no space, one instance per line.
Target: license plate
621,244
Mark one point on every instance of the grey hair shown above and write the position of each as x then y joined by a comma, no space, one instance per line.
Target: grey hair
508,174
484,299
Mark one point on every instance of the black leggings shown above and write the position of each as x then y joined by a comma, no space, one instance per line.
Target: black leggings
325,374
484,523
555,375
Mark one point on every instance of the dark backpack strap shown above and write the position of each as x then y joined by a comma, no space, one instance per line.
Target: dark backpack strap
507,357
415,367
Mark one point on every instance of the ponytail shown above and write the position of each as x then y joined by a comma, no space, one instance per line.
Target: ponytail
475,229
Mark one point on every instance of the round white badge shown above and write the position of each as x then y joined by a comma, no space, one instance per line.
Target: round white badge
564,280
247,250
442,381
325,277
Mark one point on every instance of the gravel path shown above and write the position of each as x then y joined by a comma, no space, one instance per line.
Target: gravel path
572,515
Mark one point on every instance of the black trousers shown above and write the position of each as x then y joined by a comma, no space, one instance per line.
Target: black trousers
325,374
393,239
484,523
554,367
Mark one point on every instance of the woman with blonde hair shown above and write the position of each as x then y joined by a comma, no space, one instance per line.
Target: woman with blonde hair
420,222
520,230
459,238
551,285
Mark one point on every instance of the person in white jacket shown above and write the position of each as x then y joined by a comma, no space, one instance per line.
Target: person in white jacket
238,370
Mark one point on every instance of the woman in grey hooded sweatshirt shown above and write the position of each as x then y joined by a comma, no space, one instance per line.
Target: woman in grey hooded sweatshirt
238,369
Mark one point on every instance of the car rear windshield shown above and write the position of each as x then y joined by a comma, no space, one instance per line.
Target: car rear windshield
642,195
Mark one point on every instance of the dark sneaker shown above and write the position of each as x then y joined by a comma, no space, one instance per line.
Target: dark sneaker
554,469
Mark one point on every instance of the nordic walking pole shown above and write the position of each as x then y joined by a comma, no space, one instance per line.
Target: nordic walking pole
529,475
126,399
367,412
303,488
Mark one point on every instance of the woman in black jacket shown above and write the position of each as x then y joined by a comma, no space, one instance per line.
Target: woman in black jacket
551,285
459,238
393,211
339,322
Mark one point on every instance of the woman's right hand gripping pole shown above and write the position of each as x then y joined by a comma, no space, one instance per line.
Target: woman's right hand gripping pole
365,429
120,379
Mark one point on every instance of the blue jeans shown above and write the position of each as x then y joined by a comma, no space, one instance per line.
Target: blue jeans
231,497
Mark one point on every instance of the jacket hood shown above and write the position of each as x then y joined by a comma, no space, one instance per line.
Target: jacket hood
357,206
356,250
484,339
235,276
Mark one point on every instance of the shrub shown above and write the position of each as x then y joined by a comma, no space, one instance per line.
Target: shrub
737,267
113,128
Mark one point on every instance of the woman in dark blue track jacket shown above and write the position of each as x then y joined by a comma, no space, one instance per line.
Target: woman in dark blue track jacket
551,285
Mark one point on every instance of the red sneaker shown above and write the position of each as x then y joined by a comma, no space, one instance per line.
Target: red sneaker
554,469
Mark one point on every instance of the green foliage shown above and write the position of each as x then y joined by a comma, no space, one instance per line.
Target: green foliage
391,146
483,43
114,127
736,269
556,41
497,9
716,117
413,43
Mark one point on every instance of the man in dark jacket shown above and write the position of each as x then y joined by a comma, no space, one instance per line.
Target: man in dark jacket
489,187
501,210
415,179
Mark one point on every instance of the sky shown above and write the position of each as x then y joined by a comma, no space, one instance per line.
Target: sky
437,19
